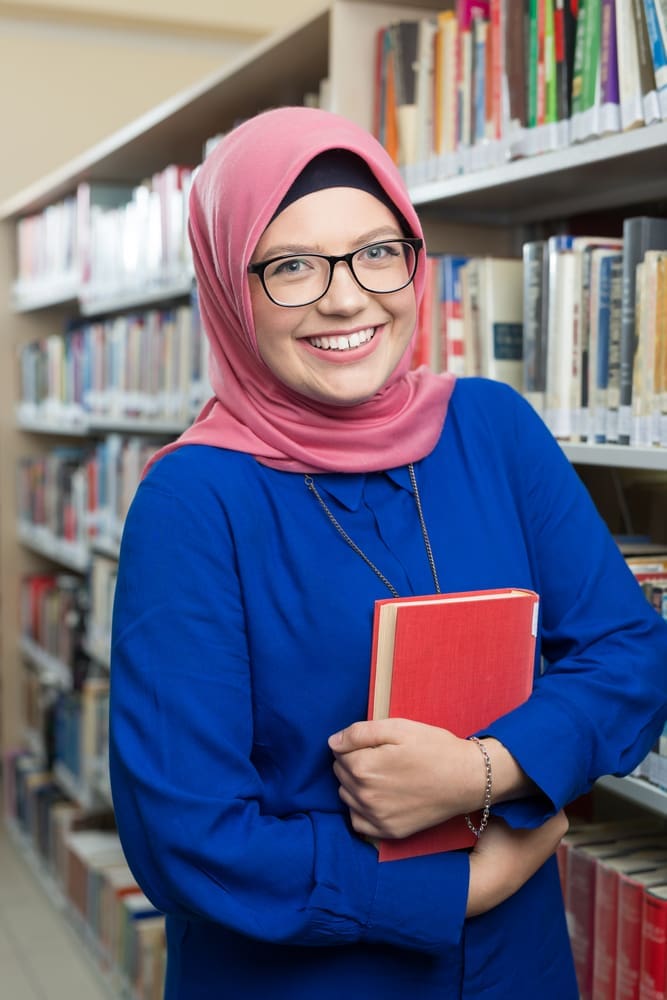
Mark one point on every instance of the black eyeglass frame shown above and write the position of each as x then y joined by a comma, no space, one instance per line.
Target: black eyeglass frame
415,242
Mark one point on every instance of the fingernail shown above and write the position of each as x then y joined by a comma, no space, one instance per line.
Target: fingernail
335,740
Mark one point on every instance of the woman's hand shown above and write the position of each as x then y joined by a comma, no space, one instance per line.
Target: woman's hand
503,859
397,776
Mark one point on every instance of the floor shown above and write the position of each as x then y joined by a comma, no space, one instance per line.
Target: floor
40,956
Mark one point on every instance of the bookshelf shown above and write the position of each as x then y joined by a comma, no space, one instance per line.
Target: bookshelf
489,211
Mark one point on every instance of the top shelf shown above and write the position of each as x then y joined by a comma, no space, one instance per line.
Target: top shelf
281,69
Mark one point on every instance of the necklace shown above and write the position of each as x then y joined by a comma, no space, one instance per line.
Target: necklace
310,483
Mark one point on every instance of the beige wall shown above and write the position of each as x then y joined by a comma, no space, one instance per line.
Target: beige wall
73,72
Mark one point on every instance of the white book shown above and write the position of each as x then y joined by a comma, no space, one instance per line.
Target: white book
629,80
501,319
558,415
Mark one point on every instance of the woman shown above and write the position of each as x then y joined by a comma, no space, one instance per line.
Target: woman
325,475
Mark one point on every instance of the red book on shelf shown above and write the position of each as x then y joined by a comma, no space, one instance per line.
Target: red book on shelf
631,891
458,661
653,960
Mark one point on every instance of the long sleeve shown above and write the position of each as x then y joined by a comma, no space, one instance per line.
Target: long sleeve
194,780
601,699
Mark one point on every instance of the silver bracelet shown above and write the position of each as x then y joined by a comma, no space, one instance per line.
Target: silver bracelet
486,806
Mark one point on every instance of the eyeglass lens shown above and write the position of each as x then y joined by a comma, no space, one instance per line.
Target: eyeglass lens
303,278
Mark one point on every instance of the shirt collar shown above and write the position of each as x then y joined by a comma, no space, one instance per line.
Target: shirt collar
348,488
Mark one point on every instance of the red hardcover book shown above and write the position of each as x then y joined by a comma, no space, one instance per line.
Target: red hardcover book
581,903
631,891
653,961
458,661
607,875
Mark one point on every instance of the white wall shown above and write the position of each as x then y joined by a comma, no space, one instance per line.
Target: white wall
73,72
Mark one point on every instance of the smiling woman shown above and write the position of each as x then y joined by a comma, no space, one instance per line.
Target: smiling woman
338,342
247,785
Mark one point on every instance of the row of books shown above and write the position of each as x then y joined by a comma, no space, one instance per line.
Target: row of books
107,239
578,325
53,609
82,494
80,735
487,80
149,366
614,880
77,851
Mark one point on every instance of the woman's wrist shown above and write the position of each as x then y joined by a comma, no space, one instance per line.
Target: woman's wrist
510,781
488,790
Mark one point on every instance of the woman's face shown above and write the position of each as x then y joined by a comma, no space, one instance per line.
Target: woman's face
292,341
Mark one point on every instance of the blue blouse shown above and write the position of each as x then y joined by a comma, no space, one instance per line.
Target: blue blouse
241,641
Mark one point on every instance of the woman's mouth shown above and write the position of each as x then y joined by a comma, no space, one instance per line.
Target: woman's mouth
343,342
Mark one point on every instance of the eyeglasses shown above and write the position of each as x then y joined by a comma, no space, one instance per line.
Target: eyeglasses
295,280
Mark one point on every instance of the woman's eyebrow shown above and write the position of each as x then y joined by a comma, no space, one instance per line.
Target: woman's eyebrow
280,249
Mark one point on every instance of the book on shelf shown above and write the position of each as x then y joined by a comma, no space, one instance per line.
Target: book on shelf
610,99
535,293
427,339
605,340
405,37
653,951
585,84
632,888
562,266
588,932
591,251
501,319
640,234
650,100
605,918
445,84
580,853
424,71
513,44
656,26
452,339
647,364
458,661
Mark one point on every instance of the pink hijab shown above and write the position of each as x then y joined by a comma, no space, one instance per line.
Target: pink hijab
234,196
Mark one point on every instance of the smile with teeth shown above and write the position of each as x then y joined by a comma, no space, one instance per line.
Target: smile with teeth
343,342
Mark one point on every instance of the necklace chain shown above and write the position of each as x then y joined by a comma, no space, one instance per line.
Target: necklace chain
310,483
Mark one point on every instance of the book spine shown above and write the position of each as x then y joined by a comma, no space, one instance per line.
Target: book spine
657,46
515,63
550,82
650,104
639,235
632,113
534,291
533,64
653,956
609,92
614,361
578,70
601,371
453,359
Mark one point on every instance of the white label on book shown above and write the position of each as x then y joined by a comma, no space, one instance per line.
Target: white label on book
624,421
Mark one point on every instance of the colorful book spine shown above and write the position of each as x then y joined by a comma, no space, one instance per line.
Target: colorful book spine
610,109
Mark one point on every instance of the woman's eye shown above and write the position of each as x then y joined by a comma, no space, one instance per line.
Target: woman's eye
378,252
287,268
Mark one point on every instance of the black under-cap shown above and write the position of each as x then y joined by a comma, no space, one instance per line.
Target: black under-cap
339,168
